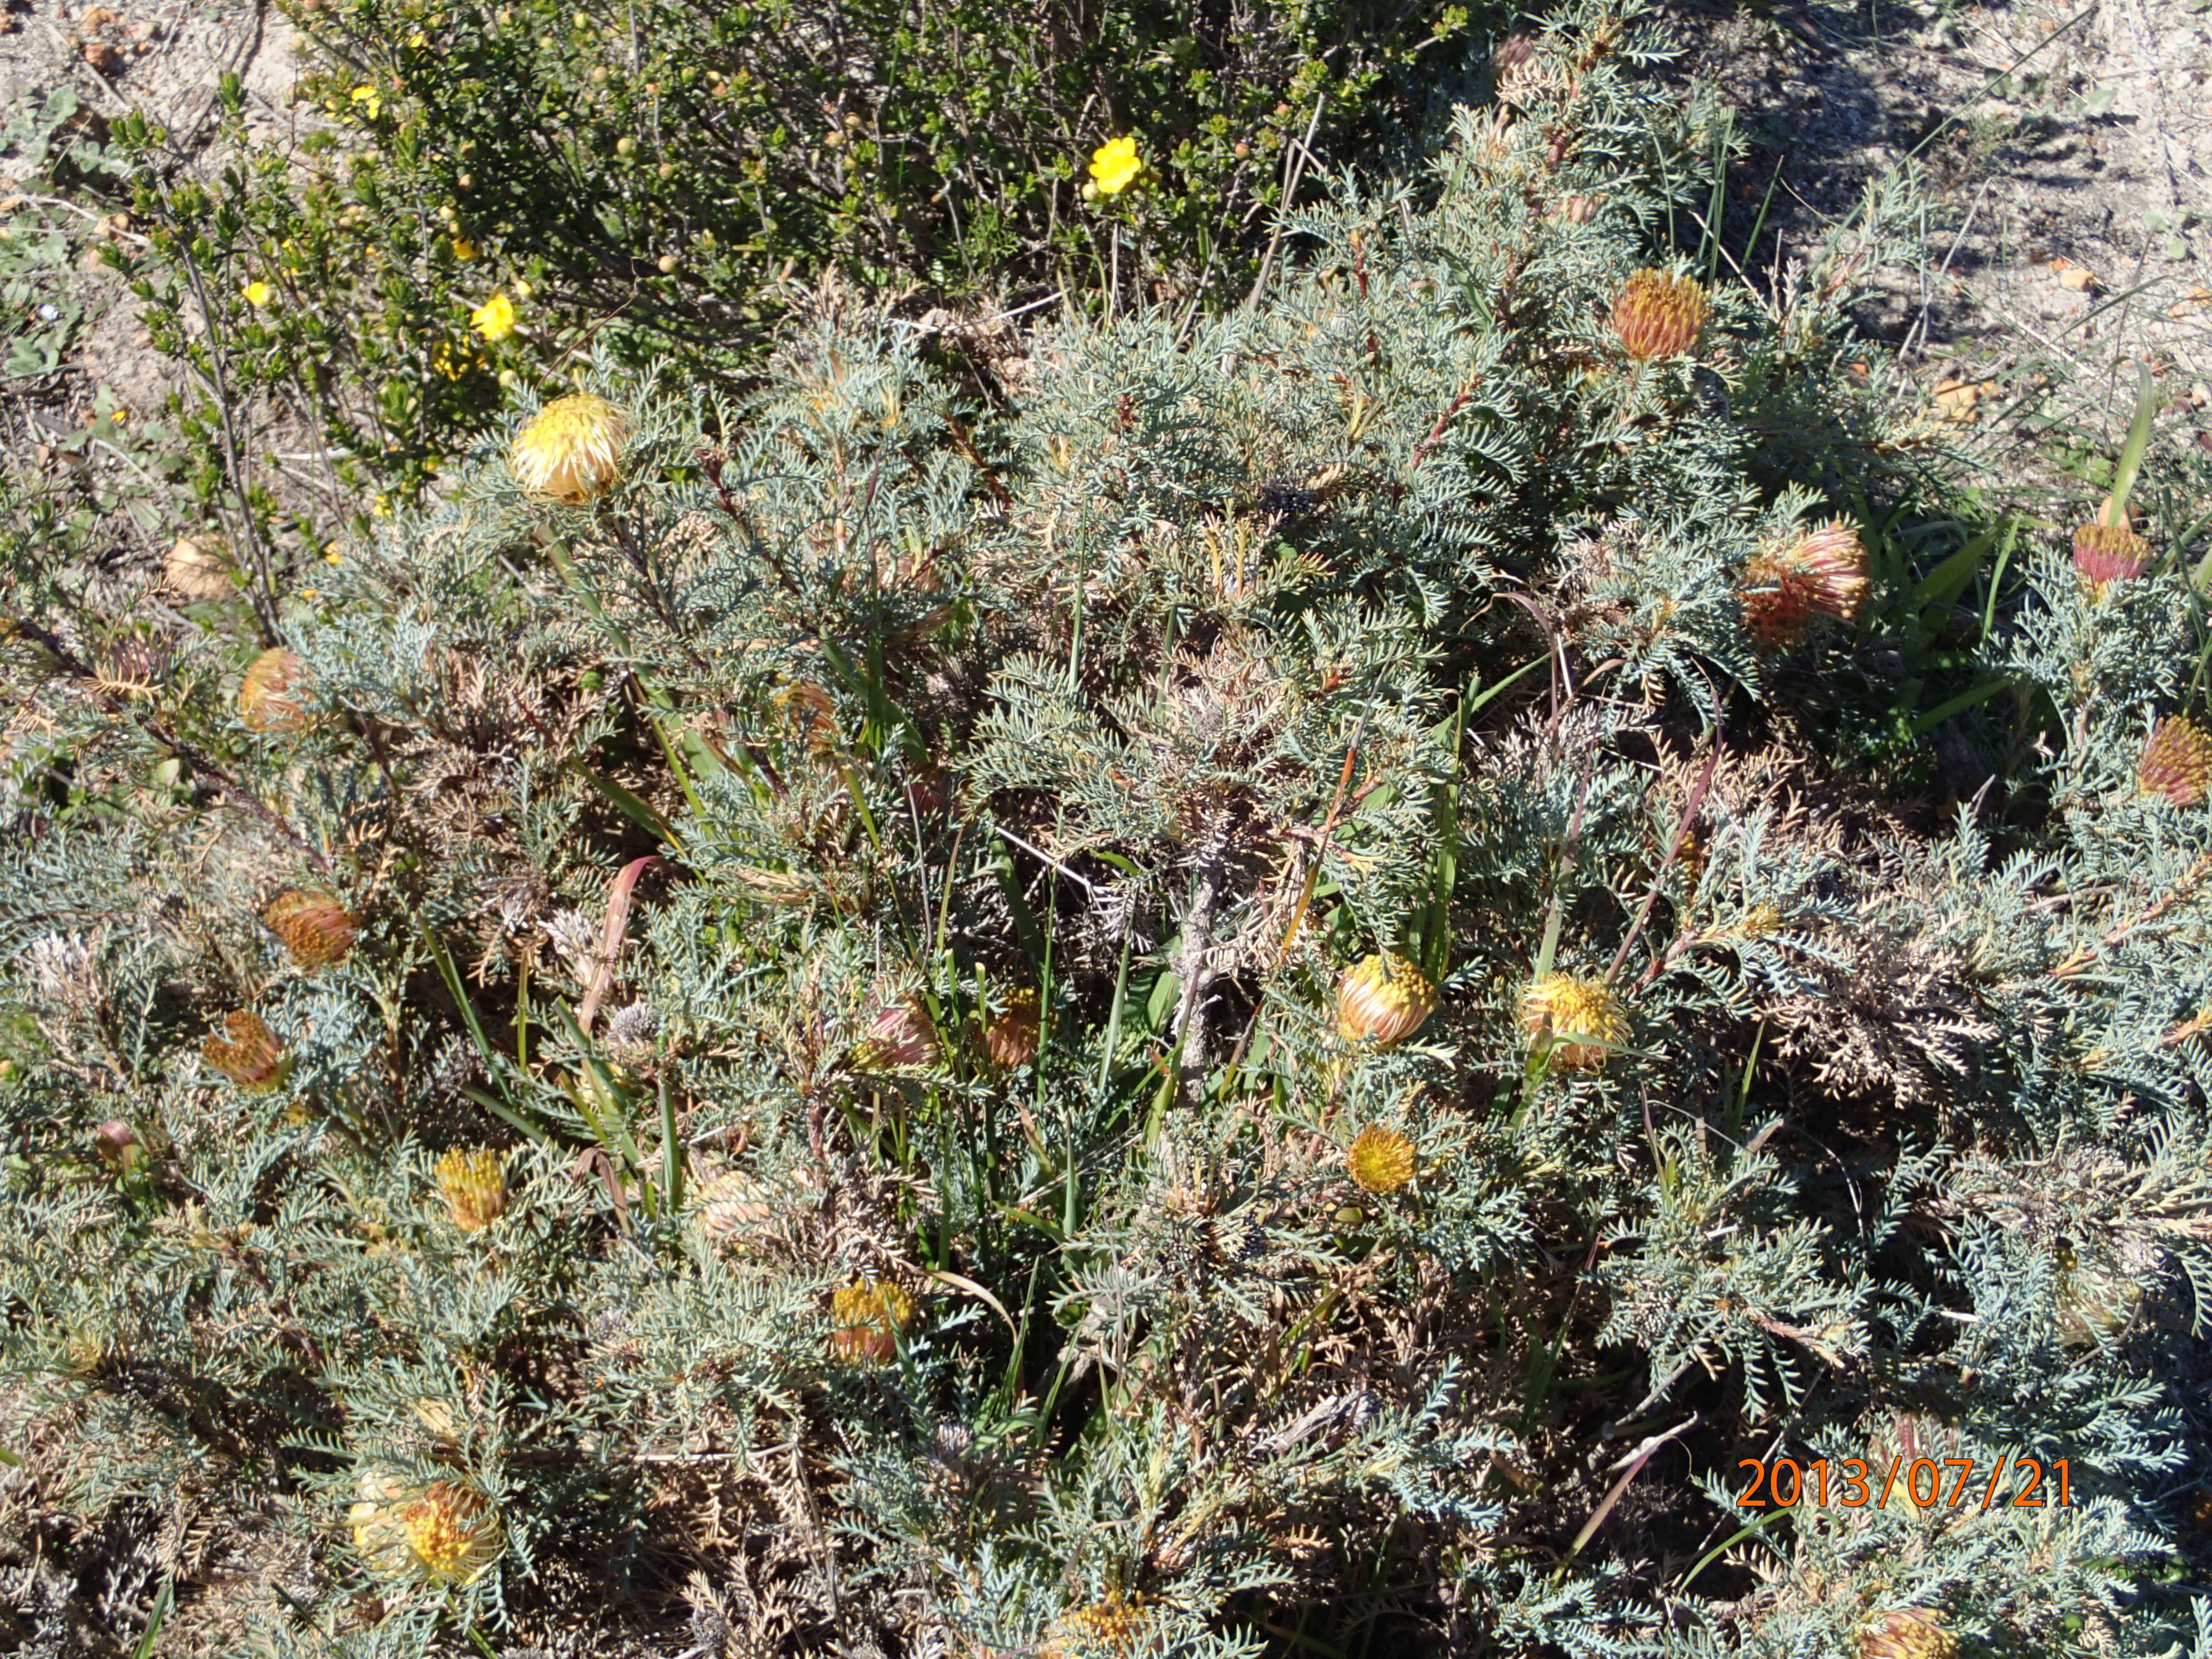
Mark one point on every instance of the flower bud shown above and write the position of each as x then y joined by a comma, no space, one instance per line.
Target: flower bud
1383,1000
1907,1633
2177,762
1011,1039
1786,590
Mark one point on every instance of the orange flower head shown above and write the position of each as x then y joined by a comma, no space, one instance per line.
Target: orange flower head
452,1532
1104,1629
247,1054
868,1317
1658,315
1785,591
1907,1633
317,930
1011,1039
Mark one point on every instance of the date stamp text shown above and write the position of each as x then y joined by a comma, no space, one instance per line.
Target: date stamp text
2020,1483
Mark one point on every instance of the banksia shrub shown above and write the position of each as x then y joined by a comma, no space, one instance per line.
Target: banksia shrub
1172,675
2109,553
1380,1160
474,1186
1786,590
248,1053
1583,1020
867,1316
2177,762
571,450
316,929
1382,999
1657,315
273,695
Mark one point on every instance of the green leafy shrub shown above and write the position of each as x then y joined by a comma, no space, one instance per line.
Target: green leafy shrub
480,191
783,1058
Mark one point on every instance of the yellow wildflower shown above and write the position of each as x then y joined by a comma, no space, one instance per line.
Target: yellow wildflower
464,248
571,450
494,318
257,294
1115,165
369,98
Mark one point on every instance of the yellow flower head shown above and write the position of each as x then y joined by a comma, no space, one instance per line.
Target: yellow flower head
571,450
1585,1019
868,1316
494,318
257,294
1380,1160
368,99
1115,165
474,1187
464,248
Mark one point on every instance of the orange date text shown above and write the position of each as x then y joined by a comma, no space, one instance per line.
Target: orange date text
1926,1483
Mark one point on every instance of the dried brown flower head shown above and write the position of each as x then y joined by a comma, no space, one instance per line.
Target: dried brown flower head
1658,315
248,1053
272,697
2177,762
2109,553
474,1187
1383,1000
317,930
1585,1020
1380,1160
1786,590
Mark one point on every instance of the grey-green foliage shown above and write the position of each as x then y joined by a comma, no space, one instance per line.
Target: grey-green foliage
707,844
